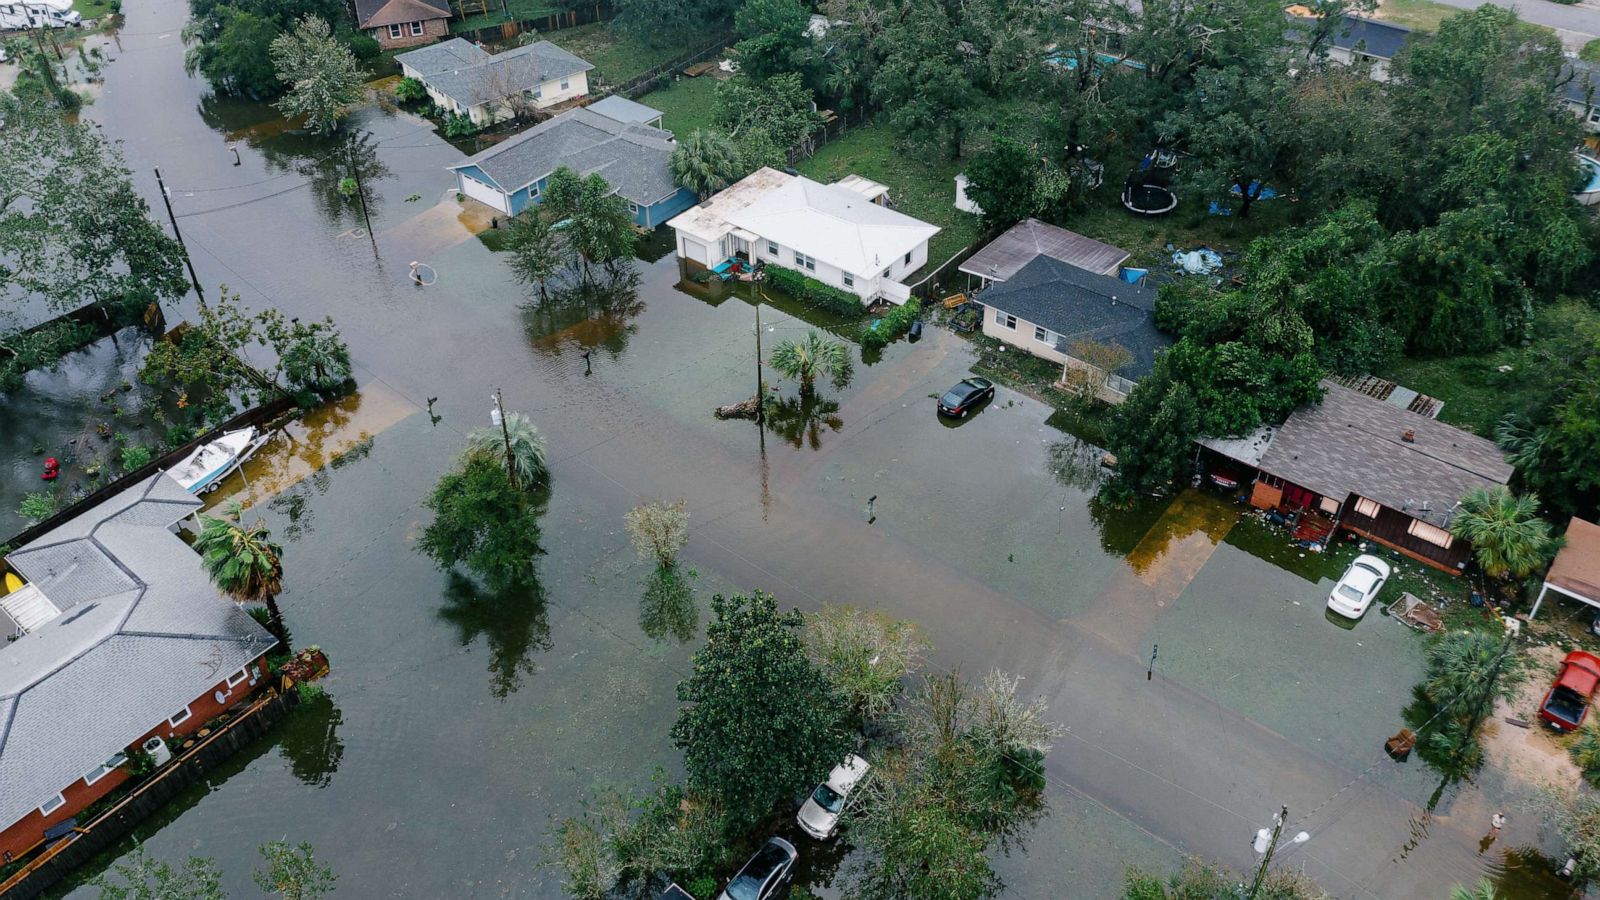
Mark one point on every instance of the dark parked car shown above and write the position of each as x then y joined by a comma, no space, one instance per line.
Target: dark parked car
959,400
764,874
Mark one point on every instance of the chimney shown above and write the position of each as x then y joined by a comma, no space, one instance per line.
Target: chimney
1409,435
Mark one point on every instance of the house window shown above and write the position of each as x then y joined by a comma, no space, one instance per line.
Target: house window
1043,335
238,676
538,91
1433,535
105,769
772,249
395,32
53,804
1005,320
1594,116
416,29
566,83
908,258
1329,506
847,279
1365,507
180,717
804,262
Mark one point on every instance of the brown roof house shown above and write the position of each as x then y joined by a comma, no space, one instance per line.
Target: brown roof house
1575,572
1371,467
403,23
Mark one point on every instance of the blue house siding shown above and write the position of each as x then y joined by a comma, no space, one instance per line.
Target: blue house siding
651,216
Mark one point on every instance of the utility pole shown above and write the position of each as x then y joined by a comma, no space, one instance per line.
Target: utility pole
1480,708
361,193
167,200
505,432
761,384
1272,846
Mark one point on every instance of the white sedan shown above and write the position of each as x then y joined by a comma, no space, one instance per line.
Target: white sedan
819,816
1359,586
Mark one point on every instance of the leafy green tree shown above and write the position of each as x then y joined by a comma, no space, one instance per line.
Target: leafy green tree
1509,539
1466,672
674,23
321,74
244,563
772,37
482,522
537,249
230,50
526,460
866,655
311,355
760,720
1001,181
621,837
706,162
923,83
139,877
764,120
1237,131
1198,880
292,872
594,221
38,505
816,355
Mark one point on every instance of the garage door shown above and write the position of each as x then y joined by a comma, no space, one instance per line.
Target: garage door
481,192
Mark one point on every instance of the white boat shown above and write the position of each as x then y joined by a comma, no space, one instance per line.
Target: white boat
202,470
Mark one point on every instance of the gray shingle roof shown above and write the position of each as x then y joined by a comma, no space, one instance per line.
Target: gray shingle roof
472,79
1352,444
1372,37
1004,256
624,110
1577,78
141,634
632,158
1078,304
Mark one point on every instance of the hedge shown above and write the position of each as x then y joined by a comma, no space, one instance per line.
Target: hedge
891,325
810,290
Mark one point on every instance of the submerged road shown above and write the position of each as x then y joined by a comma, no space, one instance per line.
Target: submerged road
438,790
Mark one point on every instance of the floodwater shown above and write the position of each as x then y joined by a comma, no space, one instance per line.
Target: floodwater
460,725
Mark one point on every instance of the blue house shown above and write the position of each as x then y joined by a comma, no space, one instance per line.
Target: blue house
631,156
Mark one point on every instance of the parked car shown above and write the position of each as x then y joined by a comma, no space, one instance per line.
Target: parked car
1358,586
819,815
764,873
959,400
1567,703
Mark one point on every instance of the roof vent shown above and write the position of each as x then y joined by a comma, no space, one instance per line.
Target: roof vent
1409,435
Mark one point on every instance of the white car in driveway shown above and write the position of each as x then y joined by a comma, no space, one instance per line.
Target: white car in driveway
819,816
1359,586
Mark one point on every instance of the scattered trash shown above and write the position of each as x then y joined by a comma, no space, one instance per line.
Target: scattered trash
1200,261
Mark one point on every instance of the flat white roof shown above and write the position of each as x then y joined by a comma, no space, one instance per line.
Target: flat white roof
833,224
866,187
708,222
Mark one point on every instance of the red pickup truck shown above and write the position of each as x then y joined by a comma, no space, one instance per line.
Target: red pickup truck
1568,701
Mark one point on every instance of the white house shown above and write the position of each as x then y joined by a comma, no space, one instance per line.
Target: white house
465,79
842,234
38,14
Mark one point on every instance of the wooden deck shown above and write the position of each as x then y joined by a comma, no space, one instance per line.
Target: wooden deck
1389,529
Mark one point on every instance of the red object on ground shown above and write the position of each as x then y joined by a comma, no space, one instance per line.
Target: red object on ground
1565,707
52,468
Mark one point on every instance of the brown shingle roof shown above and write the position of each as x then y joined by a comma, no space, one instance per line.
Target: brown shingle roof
1004,256
1577,566
1353,444
378,13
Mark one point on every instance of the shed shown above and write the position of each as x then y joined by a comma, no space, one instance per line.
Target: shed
1005,256
1576,569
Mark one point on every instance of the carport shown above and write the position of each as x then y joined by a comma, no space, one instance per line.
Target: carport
1576,570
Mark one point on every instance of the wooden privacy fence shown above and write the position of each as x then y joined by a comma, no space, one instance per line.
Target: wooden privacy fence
170,780
510,30
645,81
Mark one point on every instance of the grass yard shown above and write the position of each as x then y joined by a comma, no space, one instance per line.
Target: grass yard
924,189
92,9
1418,15
686,106
616,56
521,11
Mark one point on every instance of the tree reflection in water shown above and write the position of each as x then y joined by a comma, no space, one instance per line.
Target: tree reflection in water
513,622
802,421
594,316
310,740
668,607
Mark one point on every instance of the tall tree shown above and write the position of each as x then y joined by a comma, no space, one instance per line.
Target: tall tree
1237,131
244,563
674,23
517,444
866,655
482,522
764,120
321,74
1509,538
772,37
923,83
537,249
706,162
760,721
229,41
814,356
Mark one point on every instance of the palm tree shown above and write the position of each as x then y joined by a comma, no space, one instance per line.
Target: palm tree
816,355
527,448
244,563
1484,891
1506,532
318,361
706,162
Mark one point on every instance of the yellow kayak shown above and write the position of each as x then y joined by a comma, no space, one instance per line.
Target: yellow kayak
13,583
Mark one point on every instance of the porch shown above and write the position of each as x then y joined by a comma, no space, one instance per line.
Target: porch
1405,535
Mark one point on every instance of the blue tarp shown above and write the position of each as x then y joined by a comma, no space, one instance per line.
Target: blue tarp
1133,276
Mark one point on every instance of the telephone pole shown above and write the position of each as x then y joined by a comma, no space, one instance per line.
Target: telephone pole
166,199
761,384
361,193
1267,844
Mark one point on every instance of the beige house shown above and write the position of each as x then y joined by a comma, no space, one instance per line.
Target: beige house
464,79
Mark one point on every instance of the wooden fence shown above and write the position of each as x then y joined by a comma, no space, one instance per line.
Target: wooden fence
930,285
510,30
102,319
187,768
645,81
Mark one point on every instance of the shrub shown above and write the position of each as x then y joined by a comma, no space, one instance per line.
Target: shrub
1585,751
178,435
363,46
810,290
38,506
459,125
308,691
116,6
892,325
139,763
703,887
134,458
410,90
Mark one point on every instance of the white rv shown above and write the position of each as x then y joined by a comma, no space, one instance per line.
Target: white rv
38,14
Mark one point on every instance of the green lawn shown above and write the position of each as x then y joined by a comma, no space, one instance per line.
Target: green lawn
1418,15
616,57
919,187
521,11
687,105
92,9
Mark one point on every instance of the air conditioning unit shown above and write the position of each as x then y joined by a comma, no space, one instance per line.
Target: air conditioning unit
157,748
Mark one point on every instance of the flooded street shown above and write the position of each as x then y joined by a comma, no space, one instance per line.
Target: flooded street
459,726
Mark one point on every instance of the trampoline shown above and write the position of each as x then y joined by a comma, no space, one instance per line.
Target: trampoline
1149,199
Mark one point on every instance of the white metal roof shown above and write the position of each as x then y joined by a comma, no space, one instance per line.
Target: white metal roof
833,224
709,221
